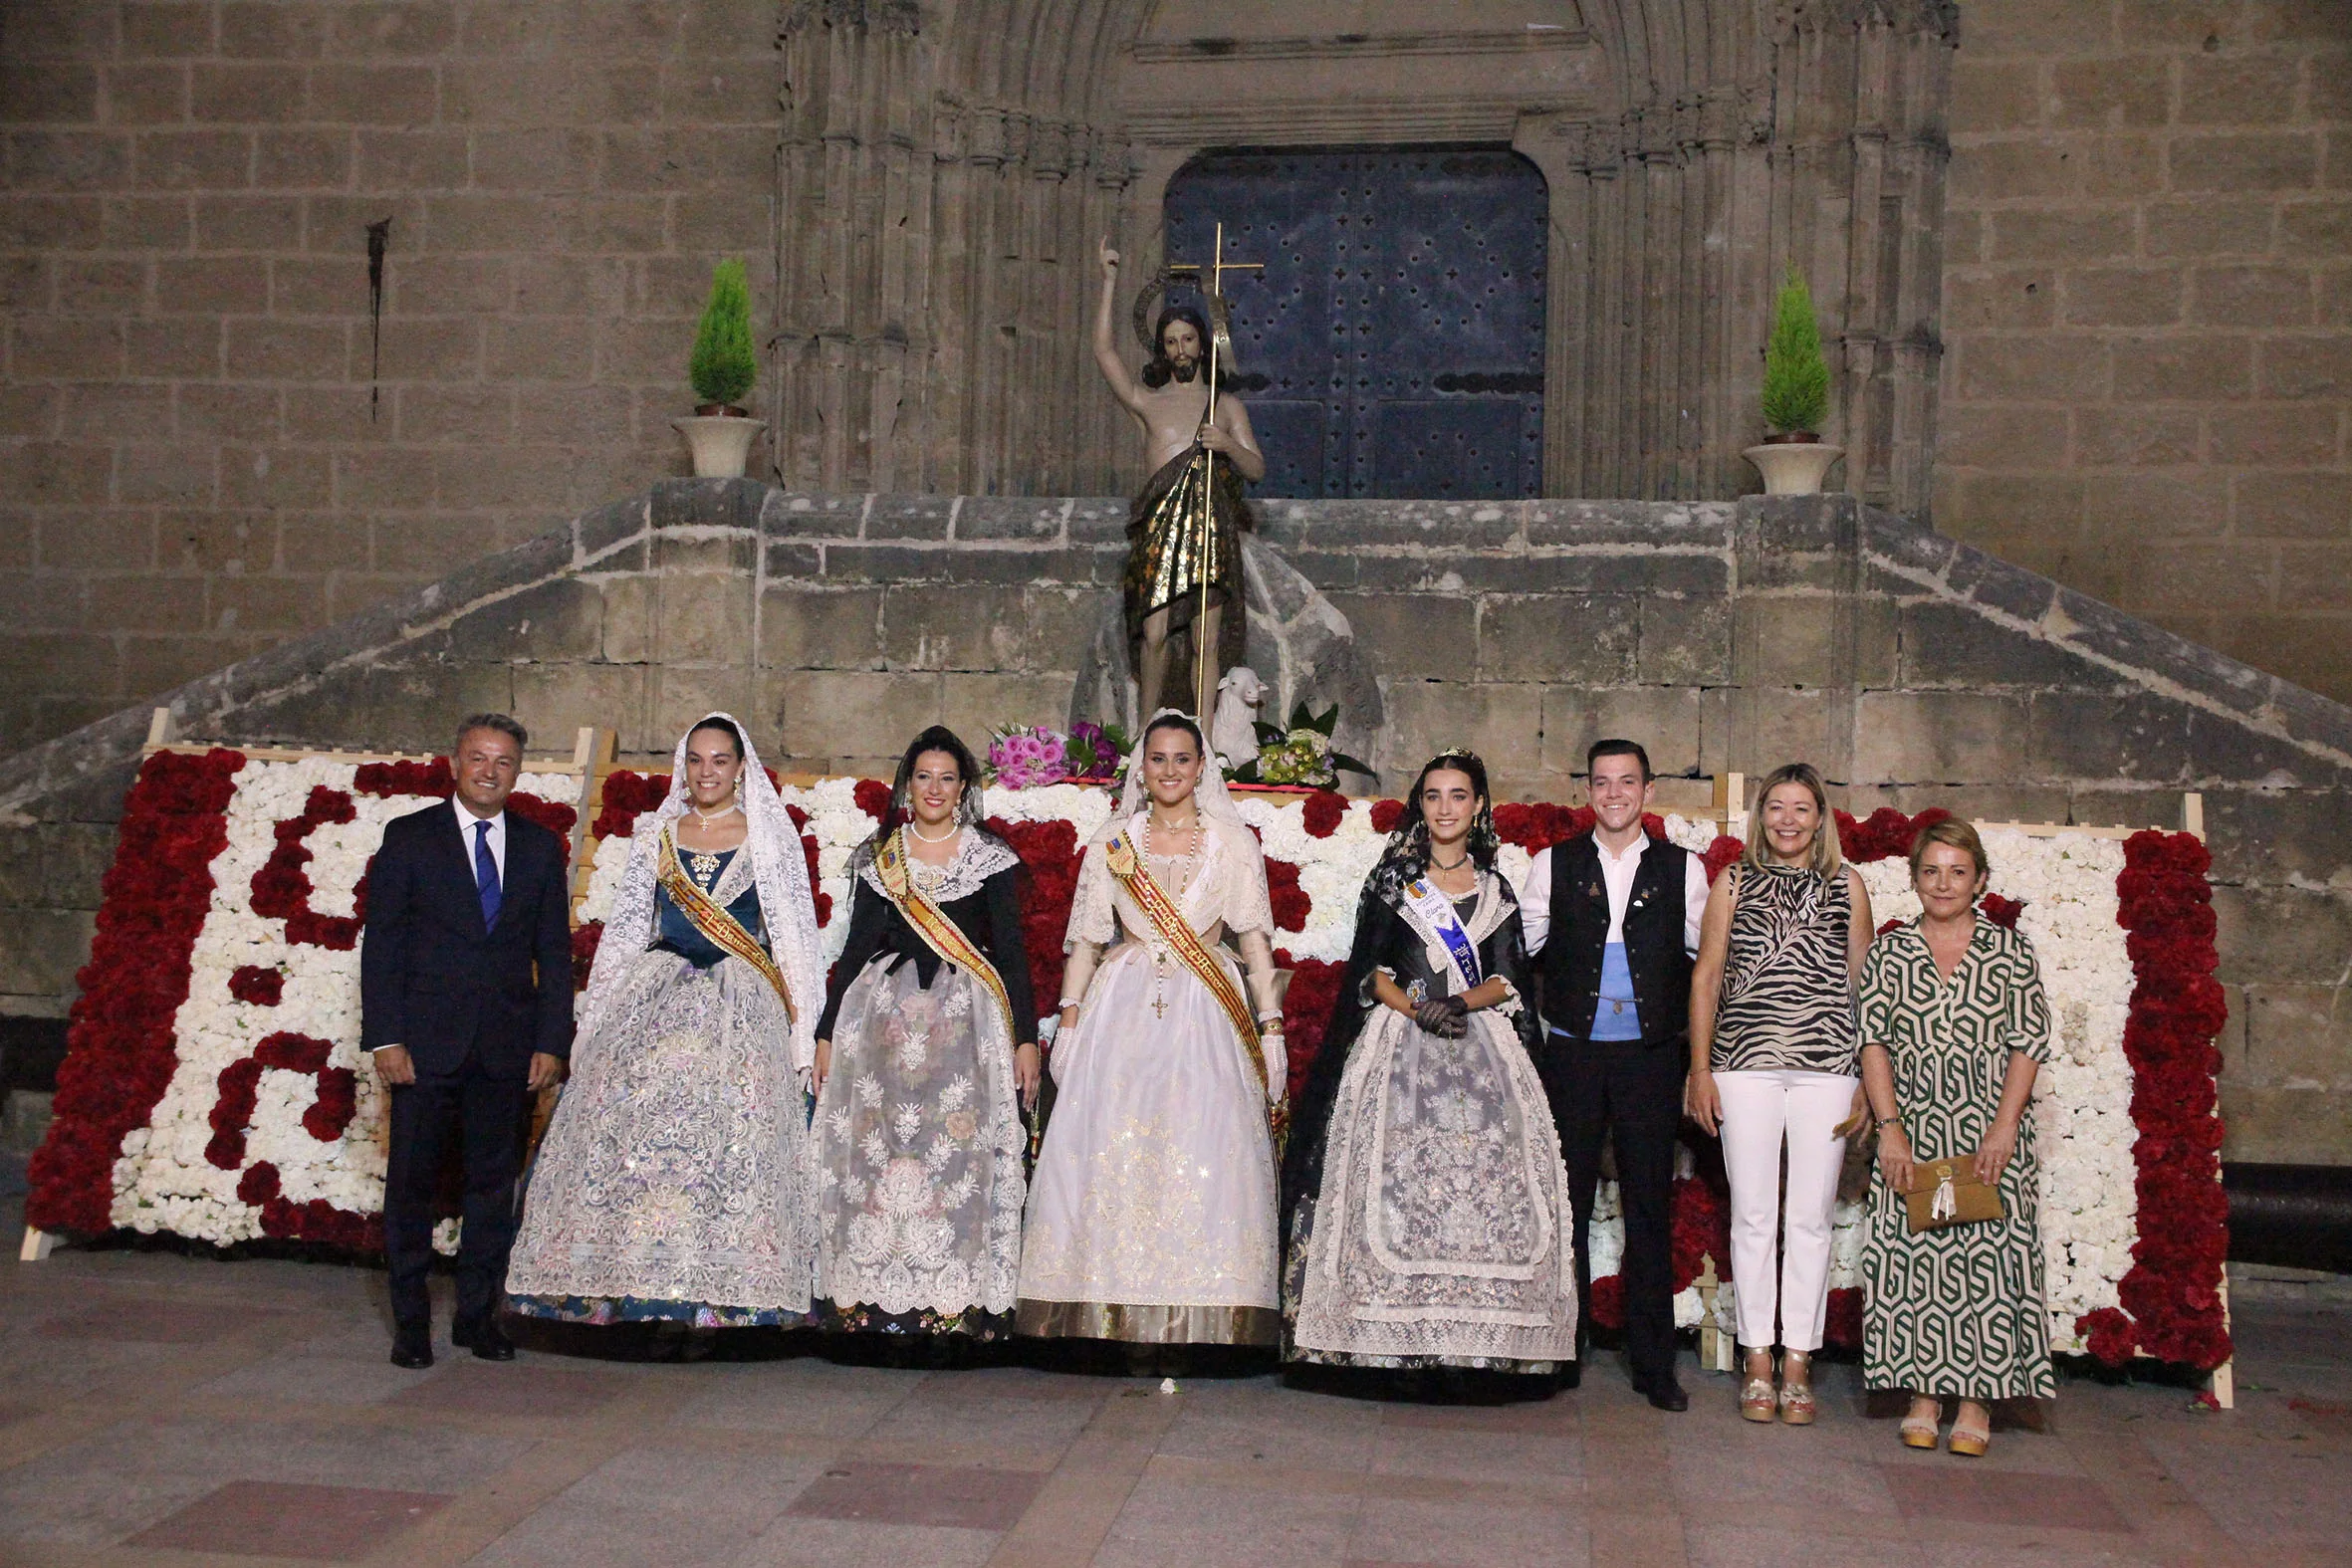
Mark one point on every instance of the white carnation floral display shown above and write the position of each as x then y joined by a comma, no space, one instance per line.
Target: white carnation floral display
165,1181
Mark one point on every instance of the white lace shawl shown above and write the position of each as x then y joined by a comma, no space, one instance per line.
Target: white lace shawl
778,867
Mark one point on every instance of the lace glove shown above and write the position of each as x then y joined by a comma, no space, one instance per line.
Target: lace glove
1447,1018
1278,1065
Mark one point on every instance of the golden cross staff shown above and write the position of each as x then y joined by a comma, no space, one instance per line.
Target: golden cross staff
1220,348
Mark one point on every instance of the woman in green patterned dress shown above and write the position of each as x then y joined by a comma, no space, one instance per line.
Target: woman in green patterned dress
1954,1027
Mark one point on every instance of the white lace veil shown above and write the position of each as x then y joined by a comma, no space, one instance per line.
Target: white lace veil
1214,799
779,869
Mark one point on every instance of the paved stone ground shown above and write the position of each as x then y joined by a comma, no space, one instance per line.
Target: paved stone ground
159,1409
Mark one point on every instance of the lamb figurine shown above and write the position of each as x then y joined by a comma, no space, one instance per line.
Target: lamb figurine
1232,732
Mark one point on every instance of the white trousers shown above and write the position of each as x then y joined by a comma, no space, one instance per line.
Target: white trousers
1760,1111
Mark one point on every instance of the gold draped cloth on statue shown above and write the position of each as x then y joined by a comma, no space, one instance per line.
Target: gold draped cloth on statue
1177,539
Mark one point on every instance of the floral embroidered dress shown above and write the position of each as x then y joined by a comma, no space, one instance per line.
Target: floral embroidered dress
1151,1213
673,1184
1428,1207
918,1135
1957,1312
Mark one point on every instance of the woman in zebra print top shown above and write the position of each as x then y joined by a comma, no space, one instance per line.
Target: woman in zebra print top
1772,1059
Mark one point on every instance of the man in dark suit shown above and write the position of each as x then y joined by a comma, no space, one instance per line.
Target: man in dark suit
1612,923
465,988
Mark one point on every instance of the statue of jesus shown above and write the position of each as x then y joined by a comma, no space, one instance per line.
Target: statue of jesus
1180,537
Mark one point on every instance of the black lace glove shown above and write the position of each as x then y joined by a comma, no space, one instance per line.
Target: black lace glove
1448,1018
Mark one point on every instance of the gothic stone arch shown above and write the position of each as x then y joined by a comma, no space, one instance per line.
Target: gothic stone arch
946,168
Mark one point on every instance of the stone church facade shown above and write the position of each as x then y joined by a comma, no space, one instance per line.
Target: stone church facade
2083,269
2081,264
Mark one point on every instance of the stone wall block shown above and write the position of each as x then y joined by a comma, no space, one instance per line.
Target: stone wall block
909,516
1058,622
1414,636
558,698
2282,936
681,695
1929,737
1702,525
702,619
807,627
973,704
1015,518
1097,520
2296,1039
562,620
1946,644
1665,721
2137,644
1494,720
705,552
708,502
40,949
785,515
2072,734
842,713
1571,639
1752,730
2263,837
939,626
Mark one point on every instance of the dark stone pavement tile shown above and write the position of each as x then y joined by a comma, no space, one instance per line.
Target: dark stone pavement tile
273,1520
794,1542
1169,1522
1985,1496
1477,1535
478,1389
186,1324
941,1497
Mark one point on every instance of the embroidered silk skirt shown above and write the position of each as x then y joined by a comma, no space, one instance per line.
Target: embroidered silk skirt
918,1144
1442,1234
1151,1212
674,1180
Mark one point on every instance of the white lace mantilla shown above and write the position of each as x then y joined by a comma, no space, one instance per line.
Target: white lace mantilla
980,856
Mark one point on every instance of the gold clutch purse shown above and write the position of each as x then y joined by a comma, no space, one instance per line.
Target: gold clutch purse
1946,1193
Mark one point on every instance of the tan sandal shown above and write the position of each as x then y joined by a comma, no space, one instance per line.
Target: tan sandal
1970,1442
1797,1401
1755,1394
1920,1432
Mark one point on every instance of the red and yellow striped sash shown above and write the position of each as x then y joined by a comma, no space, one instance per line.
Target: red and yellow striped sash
930,922
1186,942
725,932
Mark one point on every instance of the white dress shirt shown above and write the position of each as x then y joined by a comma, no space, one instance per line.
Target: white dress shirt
1616,873
465,828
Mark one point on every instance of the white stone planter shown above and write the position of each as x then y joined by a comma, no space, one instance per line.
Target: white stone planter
721,443
1793,468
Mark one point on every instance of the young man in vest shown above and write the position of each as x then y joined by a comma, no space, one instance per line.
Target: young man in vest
1612,923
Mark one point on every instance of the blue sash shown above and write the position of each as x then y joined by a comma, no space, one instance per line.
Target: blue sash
1436,911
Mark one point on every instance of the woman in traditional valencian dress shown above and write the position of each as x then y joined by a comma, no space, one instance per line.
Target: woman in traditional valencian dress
1429,1222
673,1186
1151,1216
926,1050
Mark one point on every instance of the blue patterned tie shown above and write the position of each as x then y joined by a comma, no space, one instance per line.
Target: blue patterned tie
485,875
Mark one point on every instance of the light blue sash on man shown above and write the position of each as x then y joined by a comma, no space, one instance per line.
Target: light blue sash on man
1437,912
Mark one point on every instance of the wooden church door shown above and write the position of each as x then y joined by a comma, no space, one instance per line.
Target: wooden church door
1394,344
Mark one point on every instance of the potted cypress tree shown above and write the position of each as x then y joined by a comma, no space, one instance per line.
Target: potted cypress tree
1795,398
722,369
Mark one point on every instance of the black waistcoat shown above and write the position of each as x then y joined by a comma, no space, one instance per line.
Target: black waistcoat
1652,932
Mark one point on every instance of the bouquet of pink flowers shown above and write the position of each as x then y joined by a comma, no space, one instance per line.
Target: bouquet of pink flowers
1026,756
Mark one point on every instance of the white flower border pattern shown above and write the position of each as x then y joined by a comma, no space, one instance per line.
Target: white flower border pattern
163,1181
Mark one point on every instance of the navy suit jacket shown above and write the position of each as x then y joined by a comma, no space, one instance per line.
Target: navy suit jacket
433,980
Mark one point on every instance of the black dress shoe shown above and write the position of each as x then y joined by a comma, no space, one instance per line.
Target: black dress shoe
483,1338
412,1351
1665,1393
